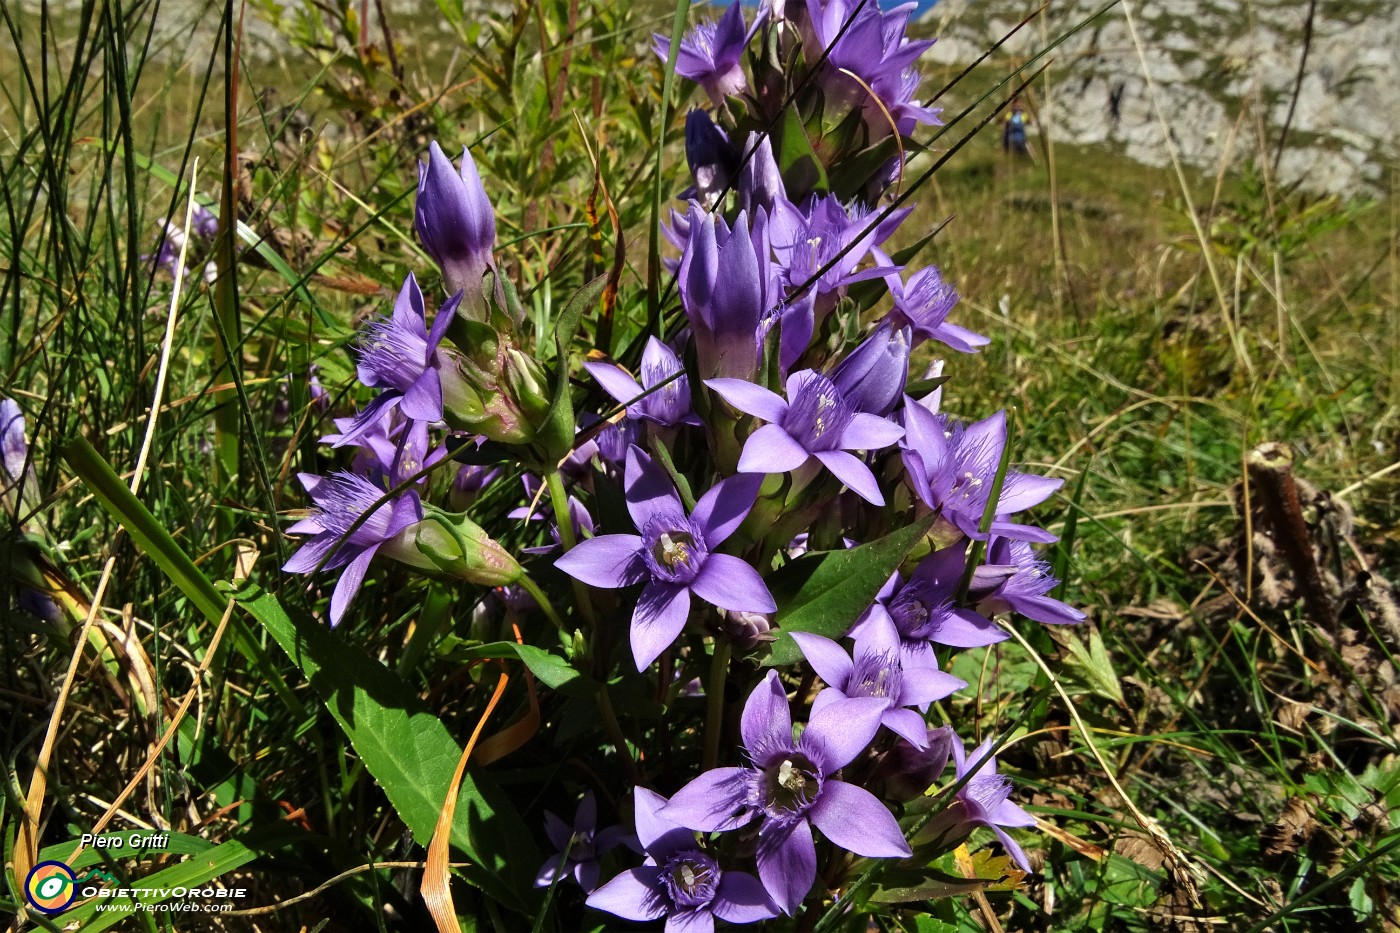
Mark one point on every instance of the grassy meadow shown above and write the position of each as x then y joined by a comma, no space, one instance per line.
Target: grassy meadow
1148,330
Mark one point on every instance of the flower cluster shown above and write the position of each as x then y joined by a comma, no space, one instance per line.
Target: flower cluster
767,433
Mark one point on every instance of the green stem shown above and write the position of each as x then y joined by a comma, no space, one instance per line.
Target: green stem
714,702
547,607
618,739
559,499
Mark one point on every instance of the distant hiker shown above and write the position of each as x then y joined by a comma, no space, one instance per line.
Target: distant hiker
1013,132
1115,103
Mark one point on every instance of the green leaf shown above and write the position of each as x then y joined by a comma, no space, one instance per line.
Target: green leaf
408,750
905,887
825,593
549,669
802,170
1089,664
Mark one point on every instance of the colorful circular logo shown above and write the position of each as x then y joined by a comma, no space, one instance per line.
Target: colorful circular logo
50,887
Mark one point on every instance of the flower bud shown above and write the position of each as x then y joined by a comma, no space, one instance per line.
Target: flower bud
872,377
712,160
455,221
748,630
452,545
910,771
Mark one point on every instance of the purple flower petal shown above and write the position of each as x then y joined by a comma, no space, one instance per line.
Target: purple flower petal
614,381
650,492
1047,610
586,874
730,583
713,802
608,561
651,825
907,724
631,895
1013,849
849,470
749,398
549,870
423,400
787,862
1019,532
721,511
657,621
742,899
923,685
841,731
1022,490
699,920
766,716
557,830
857,821
770,449
869,432
349,583
309,556
963,628
827,658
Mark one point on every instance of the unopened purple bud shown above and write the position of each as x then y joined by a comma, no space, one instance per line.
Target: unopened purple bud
40,605
711,158
872,378
760,182
455,221
14,449
469,482
748,630
910,771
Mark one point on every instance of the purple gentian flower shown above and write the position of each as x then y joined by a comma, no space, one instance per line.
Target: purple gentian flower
339,501
873,376
674,555
922,611
399,354
923,305
1015,580
710,54
868,64
204,224
874,669
584,844
789,784
808,240
616,439
456,223
984,800
711,159
952,467
14,448
669,405
725,310
679,880
391,447
578,517
814,421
